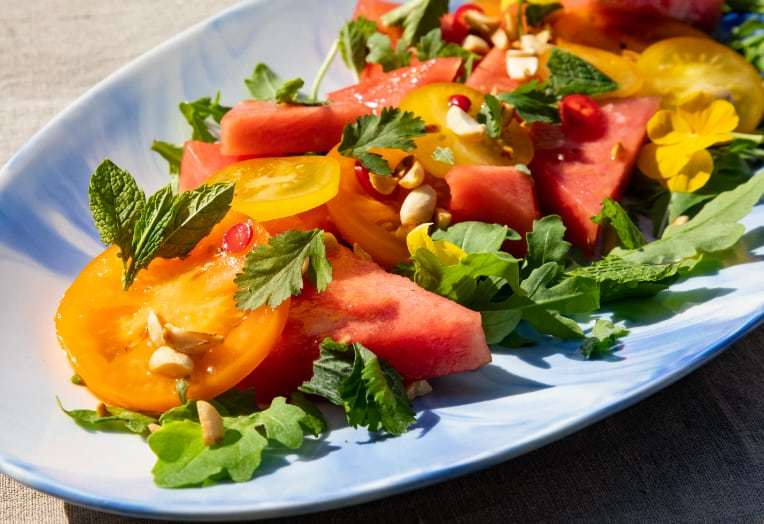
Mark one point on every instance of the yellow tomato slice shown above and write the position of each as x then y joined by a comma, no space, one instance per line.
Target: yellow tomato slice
677,67
430,102
103,328
619,69
271,188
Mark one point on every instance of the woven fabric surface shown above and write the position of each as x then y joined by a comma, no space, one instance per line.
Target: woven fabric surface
694,452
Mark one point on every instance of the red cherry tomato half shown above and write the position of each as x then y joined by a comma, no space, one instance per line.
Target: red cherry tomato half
461,101
582,118
238,237
453,26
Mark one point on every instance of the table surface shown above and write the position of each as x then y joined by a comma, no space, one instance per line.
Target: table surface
692,452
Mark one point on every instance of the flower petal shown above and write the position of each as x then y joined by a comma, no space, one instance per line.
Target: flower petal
446,252
648,162
694,174
664,128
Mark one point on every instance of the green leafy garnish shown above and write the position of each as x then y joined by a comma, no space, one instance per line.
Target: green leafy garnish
198,113
535,14
477,237
116,419
265,84
748,39
370,391
353,43
170,152
314,422
534,102
393,128
573,75
444,155
432,46
417,18
612,214
603,339
274,272
491,115
381,52
546,243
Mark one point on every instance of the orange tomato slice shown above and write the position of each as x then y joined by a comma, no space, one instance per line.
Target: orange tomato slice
103,328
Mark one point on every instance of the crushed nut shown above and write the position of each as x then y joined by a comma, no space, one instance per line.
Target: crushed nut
500,39
413,178
521,65
384,185
535,44
153,428
170,363
680,220
155,329
418,388
330,242
360,252
211,422
481,23
305,266
102,410
616,151
475,44
419,205
443,218
189,342
462,124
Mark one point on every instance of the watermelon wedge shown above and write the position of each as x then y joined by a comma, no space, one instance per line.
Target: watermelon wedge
703,13
491,74
573,177
200,161
388,89
260,128
420,334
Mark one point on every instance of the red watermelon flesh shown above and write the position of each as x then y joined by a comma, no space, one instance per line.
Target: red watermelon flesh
703,13
422,335
261,128
388,89
374,10
494,194
200,161
490,76
573,177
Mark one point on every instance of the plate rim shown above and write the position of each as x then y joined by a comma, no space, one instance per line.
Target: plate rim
30,476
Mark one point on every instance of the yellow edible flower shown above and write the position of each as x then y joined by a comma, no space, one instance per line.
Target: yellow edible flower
446,252
678,156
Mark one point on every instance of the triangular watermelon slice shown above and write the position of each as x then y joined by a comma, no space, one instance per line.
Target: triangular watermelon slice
422,335
200,161
573,177
490,76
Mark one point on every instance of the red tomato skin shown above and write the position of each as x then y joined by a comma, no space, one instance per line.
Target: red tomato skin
582,118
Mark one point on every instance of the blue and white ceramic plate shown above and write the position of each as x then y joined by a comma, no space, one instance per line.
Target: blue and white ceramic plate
523,400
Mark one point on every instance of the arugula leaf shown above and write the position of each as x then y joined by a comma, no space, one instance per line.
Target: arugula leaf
170,152
198,112
499,324
491,114
273,272
314,422
265,84
748,39
534,102
477,237
546,243
393,129
613,214
381,52
235,402
282,423
535,14
573,75
353,43
603,339
444,155
416,17
370,391
116,203
117,420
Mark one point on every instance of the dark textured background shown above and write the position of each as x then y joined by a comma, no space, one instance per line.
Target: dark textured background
693,452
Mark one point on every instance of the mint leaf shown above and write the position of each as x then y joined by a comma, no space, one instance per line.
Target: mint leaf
603,339
198,112
370,391
534,102
116,420
491,114
393,129
353,39
416,17
170,152
535,14
546,243
381,52
573,75
444,155
477,237
148,233
116,203
615,216
314,422
273,272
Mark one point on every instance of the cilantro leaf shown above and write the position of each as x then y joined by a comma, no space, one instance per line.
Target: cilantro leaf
477,237
381,52
534,102
603,339
198,112
491,114
353,45
370,391
573,75
546,243
535,14
265,84
116,203
416,17
170,152
273,272
117,419
444,155
613,214
393,128
432,46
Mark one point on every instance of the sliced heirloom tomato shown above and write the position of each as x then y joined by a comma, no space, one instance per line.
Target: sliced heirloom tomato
431,103
274,188
103,328
677,67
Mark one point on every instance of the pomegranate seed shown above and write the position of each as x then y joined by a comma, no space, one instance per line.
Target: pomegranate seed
582,118
237,239
461,101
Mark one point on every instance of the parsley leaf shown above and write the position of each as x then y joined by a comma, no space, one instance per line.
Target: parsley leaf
416,17
117,419
491,115
116,203
444,155
393,128
381,52
273,272
603,339
370,391
265,84
613,214
353,43
170,152
573,75
198,113
534,102
535,14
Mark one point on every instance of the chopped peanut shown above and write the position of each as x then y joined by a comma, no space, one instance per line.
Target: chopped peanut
413,178
475,44
384,185
189,342
170,363
462,124
211,422
418,206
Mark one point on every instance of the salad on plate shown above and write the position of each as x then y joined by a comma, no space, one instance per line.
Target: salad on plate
497,176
